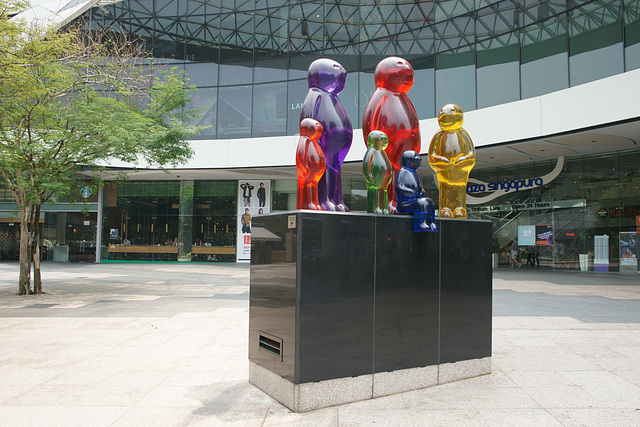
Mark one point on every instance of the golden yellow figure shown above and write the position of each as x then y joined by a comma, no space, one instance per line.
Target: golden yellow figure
452,156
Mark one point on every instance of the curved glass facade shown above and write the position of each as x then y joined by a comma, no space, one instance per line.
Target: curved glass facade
248,58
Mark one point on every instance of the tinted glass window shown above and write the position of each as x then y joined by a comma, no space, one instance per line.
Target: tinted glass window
269,109
234,112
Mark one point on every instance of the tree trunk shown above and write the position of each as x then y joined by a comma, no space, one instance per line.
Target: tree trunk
24,281
37,279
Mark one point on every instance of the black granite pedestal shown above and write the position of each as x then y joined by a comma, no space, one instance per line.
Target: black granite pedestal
347,307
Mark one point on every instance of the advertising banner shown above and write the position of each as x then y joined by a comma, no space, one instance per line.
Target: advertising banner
254,198
544,235
629,252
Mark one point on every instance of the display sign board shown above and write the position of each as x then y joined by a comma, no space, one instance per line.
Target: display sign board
559,204
254,198
526,235
544,235
629,251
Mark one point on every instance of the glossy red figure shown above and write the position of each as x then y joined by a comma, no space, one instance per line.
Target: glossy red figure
310,163
390,110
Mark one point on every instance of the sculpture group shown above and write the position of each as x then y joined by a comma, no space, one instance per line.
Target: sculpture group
391,130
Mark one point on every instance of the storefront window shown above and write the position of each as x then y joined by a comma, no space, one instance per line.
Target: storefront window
592,197
171,220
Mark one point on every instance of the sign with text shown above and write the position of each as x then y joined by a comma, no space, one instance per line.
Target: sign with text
526,235
544,235
254,198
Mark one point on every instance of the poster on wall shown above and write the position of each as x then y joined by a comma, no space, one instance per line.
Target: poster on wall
629,251
544,235
254,198
526,235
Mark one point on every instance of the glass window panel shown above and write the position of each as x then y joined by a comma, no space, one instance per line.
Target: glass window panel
203,74
306,26
497,19
422,94
536,10
498,71
238,73
297,91
595,41
451,8
214,217
202,33
299,66
342,23
597,64
349,98
544,75
377,19
543,39
234,112
270,69
205,99
271,27
632,57
455,79
632,34
367,87
269,109
543,57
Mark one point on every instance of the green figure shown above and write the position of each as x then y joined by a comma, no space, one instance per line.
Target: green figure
377,172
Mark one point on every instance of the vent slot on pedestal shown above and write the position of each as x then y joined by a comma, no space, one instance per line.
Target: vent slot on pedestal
270,344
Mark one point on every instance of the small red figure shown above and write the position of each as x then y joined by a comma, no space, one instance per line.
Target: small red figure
390,111
310,163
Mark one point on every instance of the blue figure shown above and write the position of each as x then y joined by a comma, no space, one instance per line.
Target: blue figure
326,80
410,193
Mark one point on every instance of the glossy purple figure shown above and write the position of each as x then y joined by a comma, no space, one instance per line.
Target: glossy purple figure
326,80
410,194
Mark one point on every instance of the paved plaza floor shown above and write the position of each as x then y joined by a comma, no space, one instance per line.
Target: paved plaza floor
166,345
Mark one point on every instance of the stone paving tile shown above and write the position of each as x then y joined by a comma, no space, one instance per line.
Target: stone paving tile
110,346
66,416
450,417
9,392
518,417
348,417
571,417
607,386
282,417
151,416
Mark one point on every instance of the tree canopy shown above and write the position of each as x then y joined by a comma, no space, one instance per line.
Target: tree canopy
71,98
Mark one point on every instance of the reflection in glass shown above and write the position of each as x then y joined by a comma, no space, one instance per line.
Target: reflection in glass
205,99
455,78
543,57
498,71
234,112
269,109
595,41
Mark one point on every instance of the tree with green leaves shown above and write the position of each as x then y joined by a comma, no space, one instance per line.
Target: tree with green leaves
71,98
